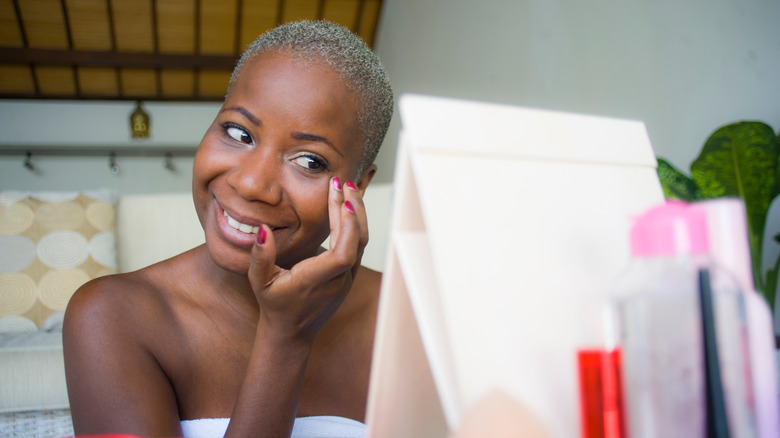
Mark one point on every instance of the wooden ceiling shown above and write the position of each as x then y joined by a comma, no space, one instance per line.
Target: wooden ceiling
179,50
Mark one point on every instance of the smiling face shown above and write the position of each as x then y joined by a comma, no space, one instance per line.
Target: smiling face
284,130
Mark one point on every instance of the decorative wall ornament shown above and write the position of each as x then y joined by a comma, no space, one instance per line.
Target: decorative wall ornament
139,122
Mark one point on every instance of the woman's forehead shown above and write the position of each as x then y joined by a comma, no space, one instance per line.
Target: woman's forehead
273,73
284,87
271,61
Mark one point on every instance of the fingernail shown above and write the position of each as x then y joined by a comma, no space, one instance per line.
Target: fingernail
261,235
336,183
349,206
350,185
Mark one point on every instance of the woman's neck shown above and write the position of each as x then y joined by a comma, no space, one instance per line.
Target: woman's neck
224,283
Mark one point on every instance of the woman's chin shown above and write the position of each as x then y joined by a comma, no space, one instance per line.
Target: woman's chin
231,259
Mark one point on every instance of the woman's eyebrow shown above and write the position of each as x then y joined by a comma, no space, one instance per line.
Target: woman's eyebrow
314,137
245,112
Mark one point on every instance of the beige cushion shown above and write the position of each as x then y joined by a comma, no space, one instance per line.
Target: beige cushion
50,244
155,227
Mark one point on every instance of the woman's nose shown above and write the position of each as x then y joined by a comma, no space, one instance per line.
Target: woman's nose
256,177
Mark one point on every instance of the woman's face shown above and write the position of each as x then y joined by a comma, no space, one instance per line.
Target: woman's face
286,128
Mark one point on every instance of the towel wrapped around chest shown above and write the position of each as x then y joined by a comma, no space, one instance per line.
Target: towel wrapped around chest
304,427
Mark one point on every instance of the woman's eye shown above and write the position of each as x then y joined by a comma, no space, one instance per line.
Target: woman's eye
238,134
310,162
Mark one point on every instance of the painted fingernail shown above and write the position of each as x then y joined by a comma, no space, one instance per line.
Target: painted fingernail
350,185
261,235
336,183
349,206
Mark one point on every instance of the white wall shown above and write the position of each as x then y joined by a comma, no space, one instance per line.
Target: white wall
684,68
105,124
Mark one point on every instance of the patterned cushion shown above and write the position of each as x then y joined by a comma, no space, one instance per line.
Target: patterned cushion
50,244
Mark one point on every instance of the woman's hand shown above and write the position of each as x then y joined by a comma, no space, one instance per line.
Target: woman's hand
295,304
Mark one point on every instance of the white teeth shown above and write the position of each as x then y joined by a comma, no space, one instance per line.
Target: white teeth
239,226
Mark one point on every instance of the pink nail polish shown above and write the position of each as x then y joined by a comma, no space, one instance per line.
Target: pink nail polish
350,185
336,183
349,206
261,235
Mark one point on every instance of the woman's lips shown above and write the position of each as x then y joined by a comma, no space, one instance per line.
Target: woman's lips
234,232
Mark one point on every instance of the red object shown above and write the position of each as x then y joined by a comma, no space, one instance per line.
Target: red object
261,235
601,401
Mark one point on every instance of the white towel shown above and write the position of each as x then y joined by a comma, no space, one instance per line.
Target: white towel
304,427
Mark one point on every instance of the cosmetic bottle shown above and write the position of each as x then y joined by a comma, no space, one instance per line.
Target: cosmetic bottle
668,369
729,248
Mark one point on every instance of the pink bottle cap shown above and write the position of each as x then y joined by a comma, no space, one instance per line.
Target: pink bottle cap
670,229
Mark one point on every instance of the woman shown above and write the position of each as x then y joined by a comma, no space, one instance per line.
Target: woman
259,325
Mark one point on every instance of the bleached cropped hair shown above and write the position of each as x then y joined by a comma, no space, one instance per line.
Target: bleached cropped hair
350,57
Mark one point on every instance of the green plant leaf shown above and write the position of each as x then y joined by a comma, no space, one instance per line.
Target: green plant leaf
777,173
740,159
676,185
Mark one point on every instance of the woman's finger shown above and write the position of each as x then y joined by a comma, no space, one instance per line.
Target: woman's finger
335,201
346,250
355,197
262,265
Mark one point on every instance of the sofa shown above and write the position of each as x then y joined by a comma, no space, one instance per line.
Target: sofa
98,233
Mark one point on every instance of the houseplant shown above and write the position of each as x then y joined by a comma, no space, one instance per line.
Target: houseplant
737,160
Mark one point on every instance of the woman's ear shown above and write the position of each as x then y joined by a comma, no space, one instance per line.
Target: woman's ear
365,179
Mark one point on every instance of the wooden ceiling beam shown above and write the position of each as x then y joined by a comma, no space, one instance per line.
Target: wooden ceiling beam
188,98
149,49
10,55
19,20
320,9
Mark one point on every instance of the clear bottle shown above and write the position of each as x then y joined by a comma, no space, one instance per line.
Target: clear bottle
657,323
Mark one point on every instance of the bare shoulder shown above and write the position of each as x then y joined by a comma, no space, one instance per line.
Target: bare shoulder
112,334
110,302
368,281
359,311
132,301
365,292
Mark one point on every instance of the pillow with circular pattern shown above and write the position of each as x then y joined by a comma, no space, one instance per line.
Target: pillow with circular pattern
50,244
